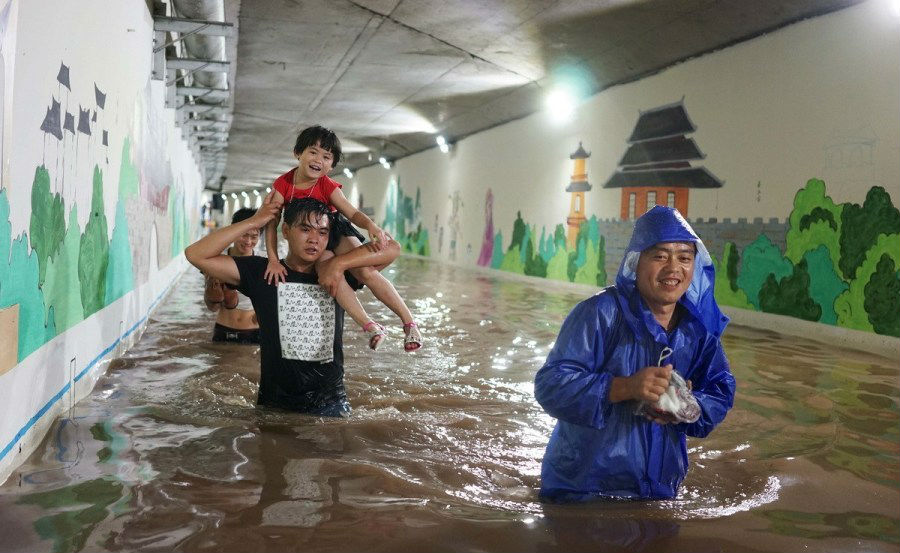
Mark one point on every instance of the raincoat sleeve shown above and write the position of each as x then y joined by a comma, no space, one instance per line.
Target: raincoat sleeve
713,386
572,385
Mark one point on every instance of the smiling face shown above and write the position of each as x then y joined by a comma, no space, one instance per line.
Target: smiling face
664,273
245,244
313,162
308,237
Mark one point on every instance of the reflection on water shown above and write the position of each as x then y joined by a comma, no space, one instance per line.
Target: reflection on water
443,449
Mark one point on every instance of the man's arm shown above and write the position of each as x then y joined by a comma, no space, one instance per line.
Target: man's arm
331,272
572,386
713,387
206,253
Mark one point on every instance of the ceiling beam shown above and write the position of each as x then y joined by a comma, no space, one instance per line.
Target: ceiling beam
208,134
193,26
216,94
191,64
208,124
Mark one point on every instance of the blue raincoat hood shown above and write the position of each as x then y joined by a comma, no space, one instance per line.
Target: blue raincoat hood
665,224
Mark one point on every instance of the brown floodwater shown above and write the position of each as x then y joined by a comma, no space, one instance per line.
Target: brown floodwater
442,451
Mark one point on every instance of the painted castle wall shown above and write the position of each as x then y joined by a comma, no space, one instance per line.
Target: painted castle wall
99,196
801,126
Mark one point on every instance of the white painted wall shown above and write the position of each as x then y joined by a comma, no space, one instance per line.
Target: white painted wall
107,45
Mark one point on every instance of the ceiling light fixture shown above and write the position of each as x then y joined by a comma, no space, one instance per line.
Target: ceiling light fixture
384,162
348,172
560,102
442,143
233,195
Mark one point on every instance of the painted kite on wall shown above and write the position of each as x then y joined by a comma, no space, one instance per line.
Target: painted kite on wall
56,120
656,169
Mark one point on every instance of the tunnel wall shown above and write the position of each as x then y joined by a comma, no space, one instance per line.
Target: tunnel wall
100,195
799,128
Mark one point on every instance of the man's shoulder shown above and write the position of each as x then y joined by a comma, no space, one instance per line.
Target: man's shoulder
604,304
604,299
250,262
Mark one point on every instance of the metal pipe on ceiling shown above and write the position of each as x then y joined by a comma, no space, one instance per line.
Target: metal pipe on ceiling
207,47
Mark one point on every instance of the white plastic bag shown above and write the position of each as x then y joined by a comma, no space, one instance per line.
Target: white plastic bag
677,404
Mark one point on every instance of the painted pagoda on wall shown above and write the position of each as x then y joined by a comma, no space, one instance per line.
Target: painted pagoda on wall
656,169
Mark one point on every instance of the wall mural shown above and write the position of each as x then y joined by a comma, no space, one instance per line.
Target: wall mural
456,205
402,215
836,264
487,244
57,273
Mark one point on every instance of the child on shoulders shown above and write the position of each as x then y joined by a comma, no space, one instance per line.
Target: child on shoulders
318,151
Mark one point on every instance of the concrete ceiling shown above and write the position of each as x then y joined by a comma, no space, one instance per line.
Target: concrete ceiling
386,75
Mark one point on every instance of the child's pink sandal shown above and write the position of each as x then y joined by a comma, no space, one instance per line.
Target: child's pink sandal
376,334
413,340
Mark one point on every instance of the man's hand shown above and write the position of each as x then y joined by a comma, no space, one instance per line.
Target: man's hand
330,275
268,211
645,385
649,383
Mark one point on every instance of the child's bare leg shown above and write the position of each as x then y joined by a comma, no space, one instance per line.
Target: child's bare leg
370,276
347,299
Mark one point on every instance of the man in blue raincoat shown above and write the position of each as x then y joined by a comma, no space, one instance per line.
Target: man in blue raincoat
606,359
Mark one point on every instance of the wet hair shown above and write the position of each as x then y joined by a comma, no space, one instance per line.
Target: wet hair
299,210
324,137
242,215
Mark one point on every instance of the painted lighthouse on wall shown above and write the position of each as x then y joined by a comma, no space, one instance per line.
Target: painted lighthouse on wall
656,168
578,185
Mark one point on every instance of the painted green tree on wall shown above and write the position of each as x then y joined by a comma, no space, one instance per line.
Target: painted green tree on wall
825,285
48,225
402,213
814,221
497,255
19,275
550,257
863,224
882,297
790,295
850,305
727,291
93,258
62,290
760,259
534,263
119,272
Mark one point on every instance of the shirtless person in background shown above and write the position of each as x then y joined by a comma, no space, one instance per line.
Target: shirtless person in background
235,319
